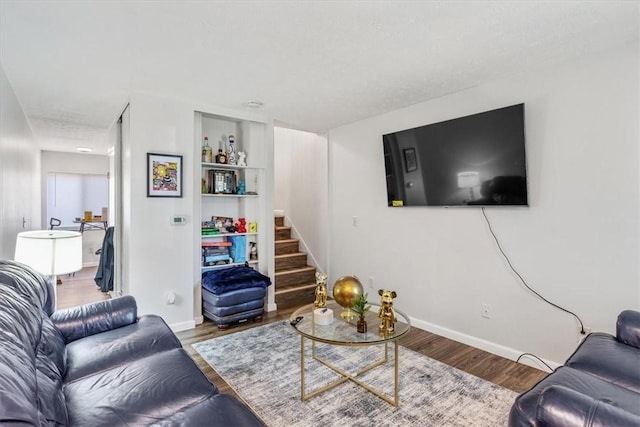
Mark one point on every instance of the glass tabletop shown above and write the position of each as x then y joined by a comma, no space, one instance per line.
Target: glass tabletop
342,331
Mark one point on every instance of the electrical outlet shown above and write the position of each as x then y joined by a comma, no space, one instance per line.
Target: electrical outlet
582,336
171,298
354,221
485,311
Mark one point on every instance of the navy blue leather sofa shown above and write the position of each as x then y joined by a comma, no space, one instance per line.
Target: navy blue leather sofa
599,385
97,365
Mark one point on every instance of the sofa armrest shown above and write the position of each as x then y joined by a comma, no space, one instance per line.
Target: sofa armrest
90,319
628,328
561,406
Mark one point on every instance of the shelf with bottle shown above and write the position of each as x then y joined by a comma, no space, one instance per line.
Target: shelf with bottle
226,166
234,170
229,195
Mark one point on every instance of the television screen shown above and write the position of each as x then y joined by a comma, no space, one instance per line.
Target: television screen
476,160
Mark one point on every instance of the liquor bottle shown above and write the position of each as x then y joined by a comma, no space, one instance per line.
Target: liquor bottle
207,152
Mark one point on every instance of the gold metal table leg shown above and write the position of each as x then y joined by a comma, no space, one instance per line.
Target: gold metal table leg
346,376
302,367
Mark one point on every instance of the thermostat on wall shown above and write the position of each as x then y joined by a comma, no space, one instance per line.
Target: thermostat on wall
178,220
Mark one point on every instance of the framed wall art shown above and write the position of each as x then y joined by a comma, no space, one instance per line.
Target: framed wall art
164,175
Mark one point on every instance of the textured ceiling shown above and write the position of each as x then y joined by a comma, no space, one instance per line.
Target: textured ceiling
314,65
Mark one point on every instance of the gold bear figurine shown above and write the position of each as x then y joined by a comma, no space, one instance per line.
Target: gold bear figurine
321,290
386,314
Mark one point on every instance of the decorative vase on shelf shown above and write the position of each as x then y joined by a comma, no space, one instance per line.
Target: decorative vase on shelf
231,152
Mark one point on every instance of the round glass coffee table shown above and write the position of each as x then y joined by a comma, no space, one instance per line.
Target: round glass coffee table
342,332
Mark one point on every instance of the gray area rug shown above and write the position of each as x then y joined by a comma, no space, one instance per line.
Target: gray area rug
263,366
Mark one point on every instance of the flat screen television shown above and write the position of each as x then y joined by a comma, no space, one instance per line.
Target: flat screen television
476,160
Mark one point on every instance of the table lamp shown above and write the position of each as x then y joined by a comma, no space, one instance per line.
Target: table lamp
50,252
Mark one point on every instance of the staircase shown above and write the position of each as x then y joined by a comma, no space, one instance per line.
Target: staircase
295,281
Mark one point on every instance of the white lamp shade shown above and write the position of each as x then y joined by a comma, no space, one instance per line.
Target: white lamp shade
468,179
50,252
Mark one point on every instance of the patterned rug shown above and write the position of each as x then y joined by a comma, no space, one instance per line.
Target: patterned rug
263,366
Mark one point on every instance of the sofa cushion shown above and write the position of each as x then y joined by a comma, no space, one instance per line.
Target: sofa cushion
51,345
224,409
561,406
89,319
95,353
49,365
139,393
524,409
628,328
603,356
30,378
29,284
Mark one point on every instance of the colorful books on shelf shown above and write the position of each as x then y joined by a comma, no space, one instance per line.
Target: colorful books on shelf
215,255
215,244
209,231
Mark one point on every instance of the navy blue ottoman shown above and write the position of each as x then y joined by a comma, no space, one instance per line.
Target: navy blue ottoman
233,294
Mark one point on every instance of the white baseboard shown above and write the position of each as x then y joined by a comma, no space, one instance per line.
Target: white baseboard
491,347
199,320
90,264
183,326
272,307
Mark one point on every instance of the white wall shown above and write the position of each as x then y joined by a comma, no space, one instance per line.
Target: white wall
19,171
80,164
159,255
301,189
577,243
159,258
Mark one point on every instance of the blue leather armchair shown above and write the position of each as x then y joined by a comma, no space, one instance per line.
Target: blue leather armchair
599,385
97,365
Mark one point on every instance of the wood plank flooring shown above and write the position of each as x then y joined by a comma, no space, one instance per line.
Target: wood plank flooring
81,289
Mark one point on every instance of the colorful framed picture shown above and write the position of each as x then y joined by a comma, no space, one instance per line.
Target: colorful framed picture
410,161
164,175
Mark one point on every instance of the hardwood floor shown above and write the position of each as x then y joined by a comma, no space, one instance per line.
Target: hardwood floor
81,289
78,289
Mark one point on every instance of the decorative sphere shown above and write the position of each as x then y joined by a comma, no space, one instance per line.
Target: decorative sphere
346,289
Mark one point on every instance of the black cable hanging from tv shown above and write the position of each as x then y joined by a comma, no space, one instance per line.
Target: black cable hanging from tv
524,282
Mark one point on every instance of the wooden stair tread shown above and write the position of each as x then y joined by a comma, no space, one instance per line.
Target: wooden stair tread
291,255
285,241
296,270
294,288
